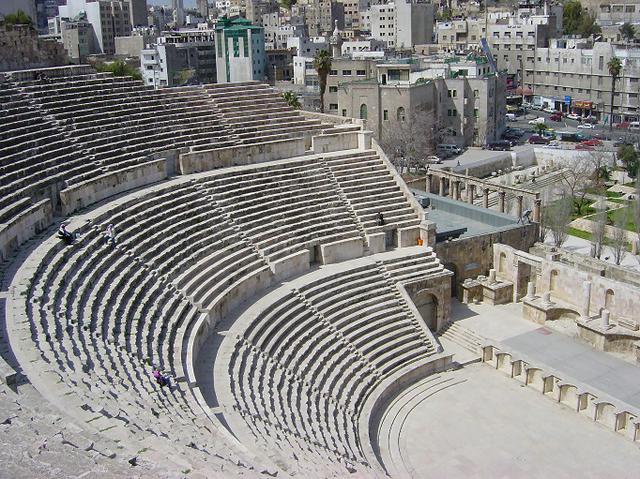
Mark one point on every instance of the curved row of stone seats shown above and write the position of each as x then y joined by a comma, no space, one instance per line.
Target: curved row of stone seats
371,188
413,267
304,366
283,208
250,113
100,317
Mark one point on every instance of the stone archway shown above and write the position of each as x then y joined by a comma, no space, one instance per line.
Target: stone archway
429,308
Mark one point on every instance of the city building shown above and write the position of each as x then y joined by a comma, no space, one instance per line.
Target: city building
180,57
138,12
240,53
178,12
133,45
78,39
109,19
203,8
572,75
402,23
279,65
319,15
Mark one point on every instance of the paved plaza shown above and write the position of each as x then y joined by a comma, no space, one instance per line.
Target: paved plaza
492,426
552,349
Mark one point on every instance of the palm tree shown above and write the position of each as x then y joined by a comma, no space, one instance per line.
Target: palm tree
615,67
292,100
322,64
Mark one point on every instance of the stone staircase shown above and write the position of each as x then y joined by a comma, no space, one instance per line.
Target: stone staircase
462,336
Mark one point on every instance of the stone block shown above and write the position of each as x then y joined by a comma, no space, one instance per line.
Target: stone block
292,265
376,242
408,236
500,292
342,250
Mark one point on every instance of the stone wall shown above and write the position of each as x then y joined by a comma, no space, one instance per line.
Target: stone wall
196,162
565,283
473,256
24,224
590,265
94,190
20,48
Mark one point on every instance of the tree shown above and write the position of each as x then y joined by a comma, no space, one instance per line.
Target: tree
411,140
629,158
287,4
540,128
618,240
556,217
615,67
578,21
18,18
292,100
119,68
577,176
322,64
628,31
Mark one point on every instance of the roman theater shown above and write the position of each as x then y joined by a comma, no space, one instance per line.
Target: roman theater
315,315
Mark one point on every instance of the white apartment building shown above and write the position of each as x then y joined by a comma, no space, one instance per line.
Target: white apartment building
402,23
240,51
109,18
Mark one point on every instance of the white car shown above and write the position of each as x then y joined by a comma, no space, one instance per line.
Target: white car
573,116
586,126
552,144
535,121
549,110
527,105
433,159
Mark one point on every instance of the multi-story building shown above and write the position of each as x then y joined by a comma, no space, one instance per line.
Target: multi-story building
77,39
138,11
319,15
203,8
352,11
280,65
513,38
462,109
572,75
109,19
180,57
402,23
178,12
240,53
257,8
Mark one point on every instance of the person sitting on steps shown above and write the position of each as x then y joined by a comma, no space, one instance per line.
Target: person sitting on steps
65,235
380,219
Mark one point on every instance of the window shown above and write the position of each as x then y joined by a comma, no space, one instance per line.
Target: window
333,106
363,111
385,115
475,113
361,73
333,89
400,114
333,73
344,112
601,62
453,112
346,72
476,93
452,93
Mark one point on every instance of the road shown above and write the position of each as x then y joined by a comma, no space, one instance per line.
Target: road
571,125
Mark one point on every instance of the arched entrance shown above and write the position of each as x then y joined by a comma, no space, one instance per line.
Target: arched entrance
427,305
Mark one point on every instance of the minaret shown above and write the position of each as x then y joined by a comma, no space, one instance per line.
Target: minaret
336,42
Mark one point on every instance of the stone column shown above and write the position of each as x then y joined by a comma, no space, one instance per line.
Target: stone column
492,276
485,197
537,210
546,299
586,299
471,192
457,197
605,319
453,189
634,246
519,206
427,186
441,190
531,290
501,195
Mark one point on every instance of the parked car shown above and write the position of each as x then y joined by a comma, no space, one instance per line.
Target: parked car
600,136
553,144
549,110
591,142
582,146
527,105
590,119
573,116
621,142
622,125
535,121
433,160
556,117
539,140
511,117
586,126
501,145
